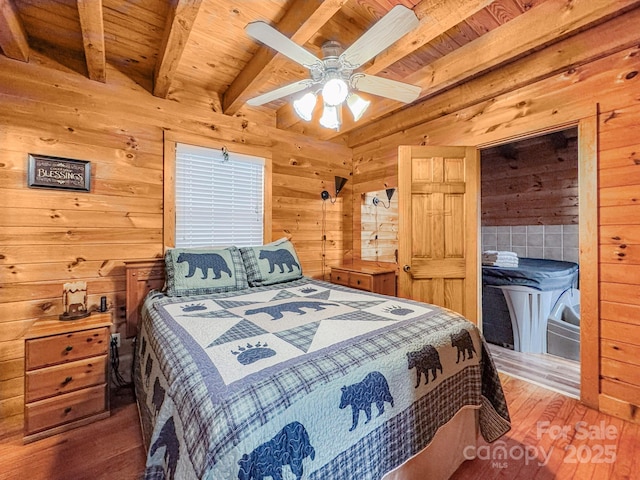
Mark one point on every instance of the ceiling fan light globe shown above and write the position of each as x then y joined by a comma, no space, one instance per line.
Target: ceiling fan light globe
330,117
357,105
335,91
305,105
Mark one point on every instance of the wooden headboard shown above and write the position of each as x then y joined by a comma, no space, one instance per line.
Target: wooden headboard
141,276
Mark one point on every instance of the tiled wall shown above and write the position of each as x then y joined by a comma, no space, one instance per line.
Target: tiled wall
556,242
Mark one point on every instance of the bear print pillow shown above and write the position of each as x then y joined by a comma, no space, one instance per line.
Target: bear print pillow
274,262
198,271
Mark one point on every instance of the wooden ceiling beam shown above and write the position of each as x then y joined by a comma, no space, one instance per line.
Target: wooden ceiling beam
436,17
180,20
13,37
92,25
567,55
301,21
540,26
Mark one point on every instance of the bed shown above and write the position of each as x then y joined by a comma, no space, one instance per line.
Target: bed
280,376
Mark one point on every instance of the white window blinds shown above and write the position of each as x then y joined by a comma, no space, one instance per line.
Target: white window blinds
219,198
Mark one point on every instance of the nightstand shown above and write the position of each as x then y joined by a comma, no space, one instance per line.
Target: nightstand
374,278
66,374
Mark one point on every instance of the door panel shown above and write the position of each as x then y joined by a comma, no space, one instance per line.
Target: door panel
439,227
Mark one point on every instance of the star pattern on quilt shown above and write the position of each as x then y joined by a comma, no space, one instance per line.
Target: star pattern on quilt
300,337
213,314
241,330
269,327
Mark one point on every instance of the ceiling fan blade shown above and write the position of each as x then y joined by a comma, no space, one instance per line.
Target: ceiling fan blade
279,93
273,38
394,25
402,92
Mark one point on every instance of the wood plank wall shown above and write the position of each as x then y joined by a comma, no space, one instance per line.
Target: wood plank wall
531,182
594,79
620,256
48,237
378,228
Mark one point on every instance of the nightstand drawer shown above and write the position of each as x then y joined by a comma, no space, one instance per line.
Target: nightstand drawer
371,278
42,352
65,408
60,379
340,277
360,280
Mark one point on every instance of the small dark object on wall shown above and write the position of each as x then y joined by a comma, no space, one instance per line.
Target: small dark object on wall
55,172
103,304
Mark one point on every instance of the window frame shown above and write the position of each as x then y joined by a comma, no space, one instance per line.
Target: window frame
169,185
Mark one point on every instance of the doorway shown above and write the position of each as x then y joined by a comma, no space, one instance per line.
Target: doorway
530,290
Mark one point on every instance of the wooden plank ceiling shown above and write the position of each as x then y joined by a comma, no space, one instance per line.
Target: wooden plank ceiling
197,50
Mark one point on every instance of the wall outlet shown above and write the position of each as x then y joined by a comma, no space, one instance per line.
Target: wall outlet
116,337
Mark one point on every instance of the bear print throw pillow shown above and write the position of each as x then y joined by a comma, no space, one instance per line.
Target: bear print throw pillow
198,271
272,263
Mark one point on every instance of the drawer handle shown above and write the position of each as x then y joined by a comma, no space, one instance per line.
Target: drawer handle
68,349
66,381
338,277
358,282
67,410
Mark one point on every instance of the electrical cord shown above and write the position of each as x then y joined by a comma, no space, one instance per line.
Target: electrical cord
324,238
115,366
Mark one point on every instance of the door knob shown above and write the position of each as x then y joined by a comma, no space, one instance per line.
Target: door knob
406,268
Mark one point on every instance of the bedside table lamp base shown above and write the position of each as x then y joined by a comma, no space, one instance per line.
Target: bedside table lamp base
74,316
74,301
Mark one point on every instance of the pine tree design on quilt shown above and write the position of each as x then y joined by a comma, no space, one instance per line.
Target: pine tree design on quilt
158,397
148,366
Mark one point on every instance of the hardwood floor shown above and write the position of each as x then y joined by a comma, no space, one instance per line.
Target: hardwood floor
554,436
109,449
545,423
555,373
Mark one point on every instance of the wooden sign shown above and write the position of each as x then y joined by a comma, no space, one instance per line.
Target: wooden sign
54,172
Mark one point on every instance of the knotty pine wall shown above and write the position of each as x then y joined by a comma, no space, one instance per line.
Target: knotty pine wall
597,70
49,237
377,230
531,182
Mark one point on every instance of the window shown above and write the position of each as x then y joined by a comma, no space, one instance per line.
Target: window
219,197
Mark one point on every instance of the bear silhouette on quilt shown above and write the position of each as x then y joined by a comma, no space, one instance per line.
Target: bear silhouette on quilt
290,446
372,389
424,360
205,261
281,258
462,341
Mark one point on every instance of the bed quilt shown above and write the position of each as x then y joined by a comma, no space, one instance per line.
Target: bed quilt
304,379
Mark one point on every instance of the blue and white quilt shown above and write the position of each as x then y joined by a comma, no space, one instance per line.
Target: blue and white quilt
304,379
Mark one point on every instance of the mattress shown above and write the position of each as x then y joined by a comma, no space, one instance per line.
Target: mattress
304,379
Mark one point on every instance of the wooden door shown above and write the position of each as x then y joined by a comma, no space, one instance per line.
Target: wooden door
438,250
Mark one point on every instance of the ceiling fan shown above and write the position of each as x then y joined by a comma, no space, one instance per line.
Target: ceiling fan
334,76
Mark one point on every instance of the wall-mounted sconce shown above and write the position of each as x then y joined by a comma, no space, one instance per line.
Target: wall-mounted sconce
390,192
340,181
